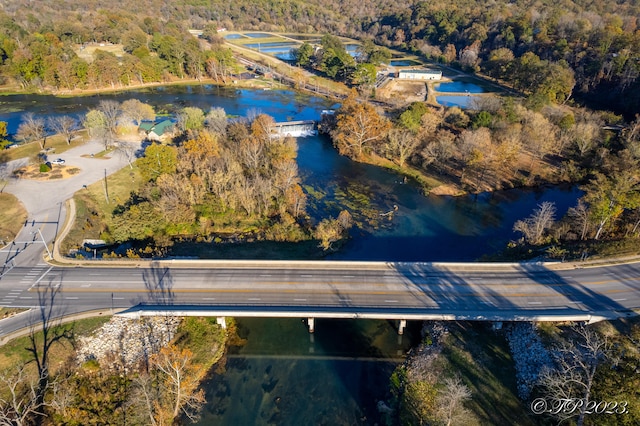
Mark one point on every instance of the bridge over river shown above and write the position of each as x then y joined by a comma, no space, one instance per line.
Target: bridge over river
310,290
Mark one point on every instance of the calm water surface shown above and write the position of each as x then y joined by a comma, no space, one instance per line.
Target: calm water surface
285,376
458,87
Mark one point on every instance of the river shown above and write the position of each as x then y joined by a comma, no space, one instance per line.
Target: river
283,375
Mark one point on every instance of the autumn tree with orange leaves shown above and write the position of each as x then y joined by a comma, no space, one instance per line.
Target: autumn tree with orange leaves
171,388
359,128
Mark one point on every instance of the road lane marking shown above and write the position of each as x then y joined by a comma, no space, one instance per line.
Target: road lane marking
266,275
254,298
348,276
619,300
391,301
85,285
118,298
208,298
534,303
71,298
306,276
26,297
299,300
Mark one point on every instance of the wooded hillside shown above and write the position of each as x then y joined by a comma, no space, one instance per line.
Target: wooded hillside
538,47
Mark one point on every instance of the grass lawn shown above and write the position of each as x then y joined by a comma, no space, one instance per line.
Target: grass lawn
92,209
14,353
12,217
56,143
7,312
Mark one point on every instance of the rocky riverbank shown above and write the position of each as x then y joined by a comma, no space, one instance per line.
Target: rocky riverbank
127,341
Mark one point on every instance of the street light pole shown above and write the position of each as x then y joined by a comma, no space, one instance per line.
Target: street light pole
45,244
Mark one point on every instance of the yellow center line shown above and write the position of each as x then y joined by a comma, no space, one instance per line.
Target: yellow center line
412,292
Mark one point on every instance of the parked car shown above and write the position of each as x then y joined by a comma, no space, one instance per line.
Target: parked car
58,161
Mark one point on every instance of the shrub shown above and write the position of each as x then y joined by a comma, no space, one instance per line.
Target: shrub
44,168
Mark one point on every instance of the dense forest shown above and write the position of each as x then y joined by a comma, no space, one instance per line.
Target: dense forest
555,50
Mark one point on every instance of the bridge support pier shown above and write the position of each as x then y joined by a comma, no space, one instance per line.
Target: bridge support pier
311,323
402,326
221,322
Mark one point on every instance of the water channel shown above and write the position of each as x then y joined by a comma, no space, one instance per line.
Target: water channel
285,376
282,375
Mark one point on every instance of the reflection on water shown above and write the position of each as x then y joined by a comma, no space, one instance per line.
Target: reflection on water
458,87
433,228
461,101
286,376
258,35
403,62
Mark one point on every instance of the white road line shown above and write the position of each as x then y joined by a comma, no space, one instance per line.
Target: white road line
254,298
306,276
118,298
11,296
619,300
265,275
208,298
26,297
535,303
98,281
344,300
71,298
299,300
348,276
85,285
391,301
96,275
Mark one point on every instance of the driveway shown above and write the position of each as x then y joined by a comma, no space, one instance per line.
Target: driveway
45,200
